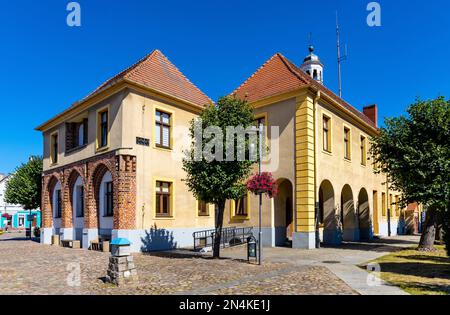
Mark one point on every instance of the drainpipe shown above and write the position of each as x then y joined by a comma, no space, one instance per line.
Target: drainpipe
316,208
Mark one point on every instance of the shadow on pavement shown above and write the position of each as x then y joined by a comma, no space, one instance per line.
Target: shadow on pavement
187,254
19,239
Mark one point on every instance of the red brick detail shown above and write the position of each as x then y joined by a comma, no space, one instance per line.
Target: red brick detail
125,186
96,171
123,171
71,175
372,113
49,182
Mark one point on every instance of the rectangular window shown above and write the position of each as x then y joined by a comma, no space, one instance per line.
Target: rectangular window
81,133
363,151
257,123
241,207
163,199
383,204
203,209
76,134
103,129
58,213
109,205
21,221
261,122
162,130
54,148
80,201
347,143
326,134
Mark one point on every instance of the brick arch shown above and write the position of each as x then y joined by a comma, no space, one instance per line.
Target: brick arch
97,178
72,179
92,217
72,176
49,185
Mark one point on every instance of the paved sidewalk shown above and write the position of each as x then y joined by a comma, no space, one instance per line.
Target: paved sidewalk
343,261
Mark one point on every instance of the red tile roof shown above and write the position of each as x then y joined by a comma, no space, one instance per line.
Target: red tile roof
279,75
157,72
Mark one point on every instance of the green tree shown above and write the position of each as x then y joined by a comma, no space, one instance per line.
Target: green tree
415,153
217,180
24,187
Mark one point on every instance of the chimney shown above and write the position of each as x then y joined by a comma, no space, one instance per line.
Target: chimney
372,113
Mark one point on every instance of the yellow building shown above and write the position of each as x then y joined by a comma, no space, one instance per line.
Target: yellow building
320,157
113,161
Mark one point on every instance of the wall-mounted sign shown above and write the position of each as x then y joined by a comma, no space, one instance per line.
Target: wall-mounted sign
143,141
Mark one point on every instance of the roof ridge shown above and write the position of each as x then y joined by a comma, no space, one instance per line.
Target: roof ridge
182,74
292,67
123,73
139,63
302,75
255,73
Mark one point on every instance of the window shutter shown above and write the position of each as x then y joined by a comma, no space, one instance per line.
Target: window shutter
166,136
158,134
69,136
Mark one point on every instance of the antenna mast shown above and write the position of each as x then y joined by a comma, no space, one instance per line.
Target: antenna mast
339,57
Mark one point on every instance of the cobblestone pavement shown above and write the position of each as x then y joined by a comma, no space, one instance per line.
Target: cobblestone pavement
30,268
343,261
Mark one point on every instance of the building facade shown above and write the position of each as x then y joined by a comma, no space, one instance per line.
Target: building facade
113,161
320,158
14,217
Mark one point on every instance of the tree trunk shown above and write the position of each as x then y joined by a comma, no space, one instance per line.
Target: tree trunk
219,225
446,228
429,231
439,228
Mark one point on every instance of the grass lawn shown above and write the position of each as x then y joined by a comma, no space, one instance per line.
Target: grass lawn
418,273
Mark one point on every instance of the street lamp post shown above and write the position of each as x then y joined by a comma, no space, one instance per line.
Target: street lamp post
260,134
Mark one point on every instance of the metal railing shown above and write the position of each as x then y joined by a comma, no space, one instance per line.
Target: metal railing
230,237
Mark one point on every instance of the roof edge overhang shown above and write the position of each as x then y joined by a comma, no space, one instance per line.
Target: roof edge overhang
109,91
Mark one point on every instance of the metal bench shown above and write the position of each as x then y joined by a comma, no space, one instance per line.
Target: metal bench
230,237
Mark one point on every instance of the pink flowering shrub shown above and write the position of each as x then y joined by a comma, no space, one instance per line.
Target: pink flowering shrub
263,184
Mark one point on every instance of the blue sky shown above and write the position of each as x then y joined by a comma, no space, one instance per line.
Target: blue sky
46,65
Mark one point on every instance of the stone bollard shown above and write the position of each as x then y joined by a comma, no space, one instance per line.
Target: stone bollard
121,264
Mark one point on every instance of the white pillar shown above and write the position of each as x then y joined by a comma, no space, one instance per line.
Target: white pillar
88,236
66,234
46,236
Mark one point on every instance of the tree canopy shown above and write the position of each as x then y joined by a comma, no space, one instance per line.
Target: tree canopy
24,186
415,152
212,177
219,180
